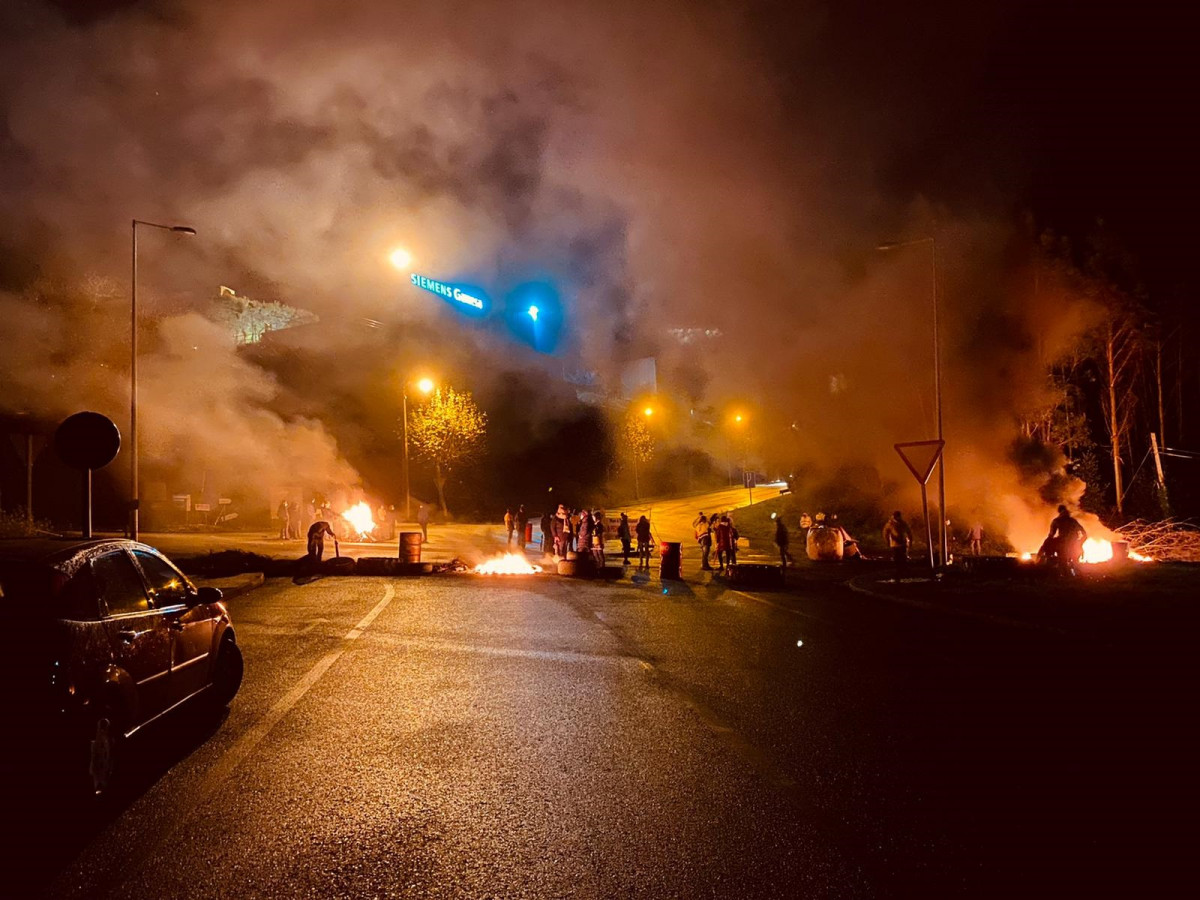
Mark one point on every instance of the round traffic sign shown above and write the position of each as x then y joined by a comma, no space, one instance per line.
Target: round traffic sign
87,440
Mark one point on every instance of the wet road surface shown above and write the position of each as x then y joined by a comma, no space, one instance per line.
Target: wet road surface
462,737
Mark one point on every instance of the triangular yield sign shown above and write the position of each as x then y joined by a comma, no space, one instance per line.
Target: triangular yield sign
920,457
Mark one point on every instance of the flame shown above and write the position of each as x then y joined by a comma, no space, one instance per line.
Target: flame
359,517
1098,550
508,564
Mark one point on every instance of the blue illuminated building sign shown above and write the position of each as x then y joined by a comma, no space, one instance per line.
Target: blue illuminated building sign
470,297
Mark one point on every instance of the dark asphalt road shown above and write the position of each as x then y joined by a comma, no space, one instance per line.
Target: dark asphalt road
457,737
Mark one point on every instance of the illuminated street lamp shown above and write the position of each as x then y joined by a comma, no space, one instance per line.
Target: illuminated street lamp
937,382
133,374
425,386
648,411
400,258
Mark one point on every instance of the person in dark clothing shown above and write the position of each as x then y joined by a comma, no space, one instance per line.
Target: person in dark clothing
316,540
1064,544
423,521
625,535
723,538
897,535
562,531
522,518
598,538
643,542
704,539
583,545
547,526
781,541
285,520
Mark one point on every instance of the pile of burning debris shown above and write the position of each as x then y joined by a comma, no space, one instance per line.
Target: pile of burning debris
505,564
1170,540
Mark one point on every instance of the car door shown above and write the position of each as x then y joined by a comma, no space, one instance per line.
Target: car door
191,626
137,633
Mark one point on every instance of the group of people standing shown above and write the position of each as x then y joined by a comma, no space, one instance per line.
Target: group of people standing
584,532
293,517
720,532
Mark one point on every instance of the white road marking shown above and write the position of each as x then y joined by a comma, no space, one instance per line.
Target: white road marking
246,744
570,656
355,632
786,609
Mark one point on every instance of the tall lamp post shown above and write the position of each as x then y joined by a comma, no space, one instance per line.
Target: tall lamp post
135,499
937,385
425,386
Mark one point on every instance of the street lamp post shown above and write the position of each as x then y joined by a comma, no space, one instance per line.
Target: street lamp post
937,386
425,385
135,499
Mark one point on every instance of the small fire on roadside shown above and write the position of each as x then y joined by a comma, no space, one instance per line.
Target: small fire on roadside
508,564
1097,550
359,517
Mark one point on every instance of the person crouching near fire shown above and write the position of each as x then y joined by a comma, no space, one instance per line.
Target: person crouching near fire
316,540
1064,543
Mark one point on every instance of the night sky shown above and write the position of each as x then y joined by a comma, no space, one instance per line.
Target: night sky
666,164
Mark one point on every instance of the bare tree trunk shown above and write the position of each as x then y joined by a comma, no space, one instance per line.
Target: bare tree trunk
1179,388
440,480
1114,419
1158,384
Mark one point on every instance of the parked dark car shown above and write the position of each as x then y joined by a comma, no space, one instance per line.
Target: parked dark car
108,636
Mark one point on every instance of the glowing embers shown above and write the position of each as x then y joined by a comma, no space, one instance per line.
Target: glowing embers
508,564
359,517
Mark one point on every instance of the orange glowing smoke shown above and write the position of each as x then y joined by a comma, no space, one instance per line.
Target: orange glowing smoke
508,564
359,517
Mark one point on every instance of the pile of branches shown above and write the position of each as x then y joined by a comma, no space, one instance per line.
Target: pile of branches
1168,540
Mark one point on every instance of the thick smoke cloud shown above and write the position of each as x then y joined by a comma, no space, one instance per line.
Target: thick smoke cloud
647,157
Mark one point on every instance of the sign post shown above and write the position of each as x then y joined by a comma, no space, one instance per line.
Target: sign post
87,441
922,468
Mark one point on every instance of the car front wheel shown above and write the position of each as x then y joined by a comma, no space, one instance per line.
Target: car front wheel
227,676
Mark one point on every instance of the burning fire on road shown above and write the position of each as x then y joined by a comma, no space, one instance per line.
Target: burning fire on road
1097,550
508,564
359,517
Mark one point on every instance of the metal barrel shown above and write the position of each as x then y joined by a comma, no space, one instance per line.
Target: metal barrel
410,546
670,563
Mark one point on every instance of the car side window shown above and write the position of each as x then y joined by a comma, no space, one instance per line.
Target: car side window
119,584
76,597
167,586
